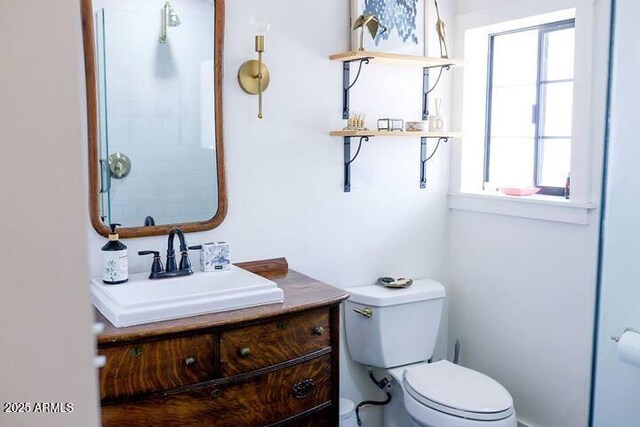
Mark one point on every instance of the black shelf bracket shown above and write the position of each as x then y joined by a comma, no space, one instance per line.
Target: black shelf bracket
423,162
347,84
425,94
348,160
424,158
426,90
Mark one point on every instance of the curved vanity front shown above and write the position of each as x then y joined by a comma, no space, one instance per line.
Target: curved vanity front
270,365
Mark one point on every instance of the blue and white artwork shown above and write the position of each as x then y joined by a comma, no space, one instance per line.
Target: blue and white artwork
405,23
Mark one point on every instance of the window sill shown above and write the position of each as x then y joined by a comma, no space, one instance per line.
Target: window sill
546,208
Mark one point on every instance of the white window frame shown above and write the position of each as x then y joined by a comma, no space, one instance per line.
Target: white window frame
541,62
589,116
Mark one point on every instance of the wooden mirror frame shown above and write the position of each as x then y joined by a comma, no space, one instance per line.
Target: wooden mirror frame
88,32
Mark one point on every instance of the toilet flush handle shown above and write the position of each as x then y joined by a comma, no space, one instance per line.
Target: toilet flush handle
366,312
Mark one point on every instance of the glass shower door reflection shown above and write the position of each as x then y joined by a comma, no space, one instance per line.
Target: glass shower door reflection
616,384
103,128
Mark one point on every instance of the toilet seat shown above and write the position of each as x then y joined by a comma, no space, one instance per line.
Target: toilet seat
458,391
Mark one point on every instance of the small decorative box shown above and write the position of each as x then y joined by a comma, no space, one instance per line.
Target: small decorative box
391,124
215,256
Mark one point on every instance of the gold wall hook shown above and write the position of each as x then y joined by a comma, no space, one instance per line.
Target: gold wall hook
441,29
253,76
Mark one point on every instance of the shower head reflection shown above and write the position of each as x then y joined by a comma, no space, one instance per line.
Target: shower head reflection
169,19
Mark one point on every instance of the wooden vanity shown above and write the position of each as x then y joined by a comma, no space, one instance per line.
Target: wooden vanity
264,366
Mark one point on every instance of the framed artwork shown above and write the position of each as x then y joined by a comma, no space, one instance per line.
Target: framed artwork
406,23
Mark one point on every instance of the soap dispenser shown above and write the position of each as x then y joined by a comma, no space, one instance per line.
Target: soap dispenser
115,263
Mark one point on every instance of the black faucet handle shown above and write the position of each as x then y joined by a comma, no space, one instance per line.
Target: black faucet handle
156,267
154,253
185,262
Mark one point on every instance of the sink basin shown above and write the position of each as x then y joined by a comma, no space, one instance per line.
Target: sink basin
141,300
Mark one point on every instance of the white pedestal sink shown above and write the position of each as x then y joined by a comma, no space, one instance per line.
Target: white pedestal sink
141,300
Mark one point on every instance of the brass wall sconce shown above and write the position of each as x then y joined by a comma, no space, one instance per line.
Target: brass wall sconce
253,76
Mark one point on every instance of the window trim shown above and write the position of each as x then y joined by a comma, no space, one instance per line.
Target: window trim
543,208
542,29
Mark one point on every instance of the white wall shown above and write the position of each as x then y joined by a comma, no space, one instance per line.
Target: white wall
522,291
285,173
522,301
616,396
46,345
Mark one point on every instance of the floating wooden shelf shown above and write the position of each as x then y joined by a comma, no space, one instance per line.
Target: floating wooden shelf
405,134
396,59
365,57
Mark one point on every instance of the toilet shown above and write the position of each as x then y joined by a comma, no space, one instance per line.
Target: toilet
396,330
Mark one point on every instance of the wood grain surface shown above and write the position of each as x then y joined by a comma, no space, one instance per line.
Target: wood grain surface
260,401
147,382
267,268
318,419
273,342
157,366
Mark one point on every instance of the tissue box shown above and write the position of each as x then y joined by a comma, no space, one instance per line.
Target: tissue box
215,257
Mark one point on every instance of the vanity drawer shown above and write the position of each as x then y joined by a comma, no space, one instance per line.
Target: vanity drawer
253,347
317,419
258,401
156,366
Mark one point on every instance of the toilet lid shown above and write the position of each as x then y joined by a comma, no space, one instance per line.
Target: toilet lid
458,391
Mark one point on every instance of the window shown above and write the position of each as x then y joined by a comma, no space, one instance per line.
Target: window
530,107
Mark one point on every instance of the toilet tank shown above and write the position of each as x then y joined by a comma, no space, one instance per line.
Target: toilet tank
403,326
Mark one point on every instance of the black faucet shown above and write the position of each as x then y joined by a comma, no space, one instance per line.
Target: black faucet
185,264
171,270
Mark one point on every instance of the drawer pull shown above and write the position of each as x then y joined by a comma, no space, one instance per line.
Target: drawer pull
244,352
135,352
318,330
303,388
190,361
214,393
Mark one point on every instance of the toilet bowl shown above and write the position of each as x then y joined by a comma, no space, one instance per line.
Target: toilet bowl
442,394
396,329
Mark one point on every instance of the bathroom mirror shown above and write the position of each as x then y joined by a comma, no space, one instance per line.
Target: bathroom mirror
154,103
